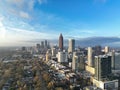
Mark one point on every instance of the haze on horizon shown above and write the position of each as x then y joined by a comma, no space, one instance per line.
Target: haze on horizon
24,21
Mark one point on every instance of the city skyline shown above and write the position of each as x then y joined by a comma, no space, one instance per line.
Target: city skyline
22,22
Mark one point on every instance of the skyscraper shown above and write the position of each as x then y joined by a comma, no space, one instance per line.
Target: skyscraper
71,45
78,62
38,46
62,57
90,56
97,50
102,66
42,44
61,42
113,60
106,49
45,43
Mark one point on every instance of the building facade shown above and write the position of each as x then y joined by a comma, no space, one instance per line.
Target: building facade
102,66
61,42
62,57
90,56
71,46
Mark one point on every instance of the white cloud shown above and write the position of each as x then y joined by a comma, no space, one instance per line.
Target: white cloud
17,37
14,36
25,3
42,1
2,29
16,2
21,8
78,33
24,14
31,4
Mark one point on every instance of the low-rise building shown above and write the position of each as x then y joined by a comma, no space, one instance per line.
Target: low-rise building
106,84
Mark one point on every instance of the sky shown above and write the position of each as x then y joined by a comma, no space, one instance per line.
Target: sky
22,21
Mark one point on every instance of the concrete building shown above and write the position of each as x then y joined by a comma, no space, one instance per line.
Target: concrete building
113,56
106,49
90,56
106,84
48,55
23,48
62,57
78,62
61,42
54,52
75,61
42,44
91,70
102,66
117,61
38,46
97,50
91,88
71,46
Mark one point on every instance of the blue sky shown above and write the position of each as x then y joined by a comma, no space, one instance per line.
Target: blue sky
25,20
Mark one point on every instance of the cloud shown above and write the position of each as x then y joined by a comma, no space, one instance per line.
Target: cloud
21,4
79,33
24,15
22,8
42,1
2,29
18,37
31,4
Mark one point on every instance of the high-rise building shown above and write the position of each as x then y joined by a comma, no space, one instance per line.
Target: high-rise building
23,48
42,44
106,49
116,61
48,55
113,59
102,66
78,62
75,61
71,47
38,46
54,52
61,42
46,43
97,50
90,56
62,57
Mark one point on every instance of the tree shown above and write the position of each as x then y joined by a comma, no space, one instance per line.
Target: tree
46,77
50,85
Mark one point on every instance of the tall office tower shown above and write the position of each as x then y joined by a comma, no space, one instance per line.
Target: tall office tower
117,61
46,43
61,42
75,61
106,49
97,50
78,62
90,57
42,44
48,55
113,60
71,47
38,46
62,57
54,52
23,48
102,66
